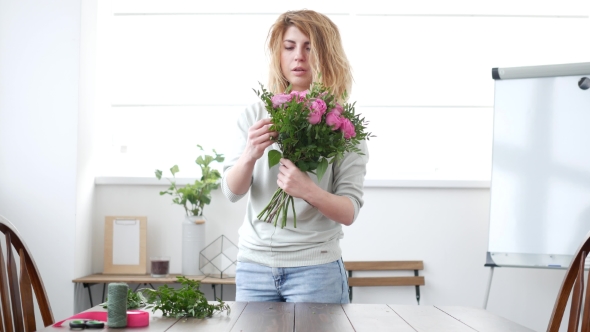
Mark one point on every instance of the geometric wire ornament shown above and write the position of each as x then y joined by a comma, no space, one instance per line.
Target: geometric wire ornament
219,258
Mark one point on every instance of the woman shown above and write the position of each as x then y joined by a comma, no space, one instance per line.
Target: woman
300,264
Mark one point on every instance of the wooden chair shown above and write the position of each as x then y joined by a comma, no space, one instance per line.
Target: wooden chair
574,277
416,280
16,287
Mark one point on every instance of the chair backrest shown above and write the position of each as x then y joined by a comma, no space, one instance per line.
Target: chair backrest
574,277
16,287
415,280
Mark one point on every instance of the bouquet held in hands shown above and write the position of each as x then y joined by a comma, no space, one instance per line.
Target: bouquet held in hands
314,131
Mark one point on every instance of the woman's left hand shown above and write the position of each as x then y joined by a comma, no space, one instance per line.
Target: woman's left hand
292,180
298,184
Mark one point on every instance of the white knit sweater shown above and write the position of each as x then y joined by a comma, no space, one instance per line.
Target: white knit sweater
316,238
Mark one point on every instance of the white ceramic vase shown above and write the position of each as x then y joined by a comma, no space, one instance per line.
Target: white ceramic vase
193,241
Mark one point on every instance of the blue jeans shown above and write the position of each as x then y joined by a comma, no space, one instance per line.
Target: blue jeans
324,283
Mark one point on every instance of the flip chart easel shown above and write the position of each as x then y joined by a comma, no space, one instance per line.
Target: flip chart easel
539,209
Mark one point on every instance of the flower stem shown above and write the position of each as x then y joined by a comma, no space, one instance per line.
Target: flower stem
269,207
294,214
278,207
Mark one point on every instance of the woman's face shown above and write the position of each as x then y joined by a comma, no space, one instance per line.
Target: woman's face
295,59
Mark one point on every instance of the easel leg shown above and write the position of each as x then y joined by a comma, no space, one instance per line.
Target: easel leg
485,301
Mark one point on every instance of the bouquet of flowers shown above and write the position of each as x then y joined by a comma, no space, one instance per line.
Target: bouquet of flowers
314,130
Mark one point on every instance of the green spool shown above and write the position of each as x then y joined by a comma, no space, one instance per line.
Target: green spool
117,305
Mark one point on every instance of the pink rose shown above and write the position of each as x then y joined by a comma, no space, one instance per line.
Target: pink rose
299,94
314,117
333,119
318,105
338,109
280,99
347,128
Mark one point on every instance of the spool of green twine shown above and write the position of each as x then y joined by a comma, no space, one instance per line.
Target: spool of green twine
117,305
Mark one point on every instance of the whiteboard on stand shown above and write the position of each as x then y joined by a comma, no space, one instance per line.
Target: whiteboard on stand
540,184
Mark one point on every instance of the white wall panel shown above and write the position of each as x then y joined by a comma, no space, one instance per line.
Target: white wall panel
214,59
419,61
468,7
209,59
411,143
429,143
149,138
228,6
421,7
433,61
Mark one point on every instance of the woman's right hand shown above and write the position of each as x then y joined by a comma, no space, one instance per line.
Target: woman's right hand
259,138
239,176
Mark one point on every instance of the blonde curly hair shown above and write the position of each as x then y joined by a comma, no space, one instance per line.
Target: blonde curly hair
328,57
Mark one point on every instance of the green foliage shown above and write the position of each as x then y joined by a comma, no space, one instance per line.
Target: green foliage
193,197
322,167
134,300
187,301
274,157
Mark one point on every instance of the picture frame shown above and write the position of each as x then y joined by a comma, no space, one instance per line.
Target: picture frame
125,245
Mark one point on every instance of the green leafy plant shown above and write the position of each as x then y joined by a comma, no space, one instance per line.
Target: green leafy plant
134,300
186,301
193,197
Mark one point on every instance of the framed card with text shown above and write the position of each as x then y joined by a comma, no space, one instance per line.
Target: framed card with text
125,241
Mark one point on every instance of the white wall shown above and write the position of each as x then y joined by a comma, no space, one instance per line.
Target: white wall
446,228
39,62
85,151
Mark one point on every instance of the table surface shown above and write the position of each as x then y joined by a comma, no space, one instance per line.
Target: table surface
304,317
100,278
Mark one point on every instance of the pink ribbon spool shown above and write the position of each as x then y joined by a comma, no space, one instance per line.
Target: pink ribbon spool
138,318
135,318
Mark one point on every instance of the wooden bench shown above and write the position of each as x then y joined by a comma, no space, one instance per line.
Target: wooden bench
415,280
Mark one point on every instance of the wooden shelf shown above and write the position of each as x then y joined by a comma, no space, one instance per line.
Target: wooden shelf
146,279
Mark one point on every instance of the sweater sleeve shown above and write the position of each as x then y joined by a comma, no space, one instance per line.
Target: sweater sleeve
227,192
349,176
240,137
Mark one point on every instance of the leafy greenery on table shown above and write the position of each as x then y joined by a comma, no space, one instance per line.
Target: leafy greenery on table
134,300
186,301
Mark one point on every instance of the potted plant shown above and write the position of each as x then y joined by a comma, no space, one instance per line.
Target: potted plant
193,197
